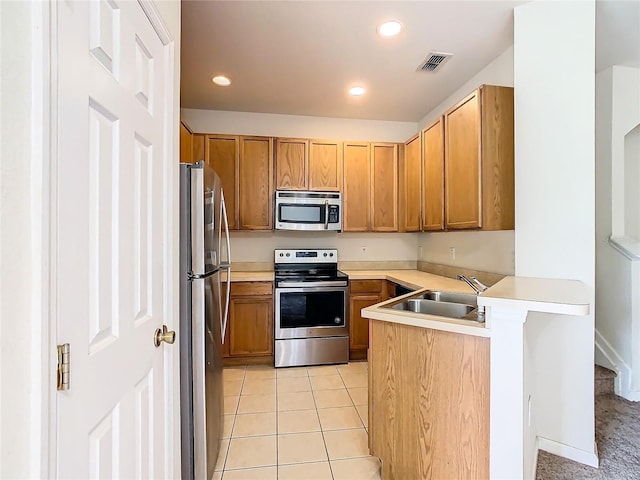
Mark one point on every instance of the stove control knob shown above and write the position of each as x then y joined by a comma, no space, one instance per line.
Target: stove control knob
282,254
331,254
325,254
288,254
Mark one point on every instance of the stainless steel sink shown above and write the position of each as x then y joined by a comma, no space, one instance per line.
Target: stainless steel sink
456,305
451,297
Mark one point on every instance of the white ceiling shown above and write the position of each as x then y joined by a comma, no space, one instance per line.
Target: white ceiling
300,57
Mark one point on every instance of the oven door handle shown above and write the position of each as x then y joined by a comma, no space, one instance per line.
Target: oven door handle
311,284
326,214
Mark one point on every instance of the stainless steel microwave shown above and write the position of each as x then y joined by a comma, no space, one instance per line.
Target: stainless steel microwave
304,210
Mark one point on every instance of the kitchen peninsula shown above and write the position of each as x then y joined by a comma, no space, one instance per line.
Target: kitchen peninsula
455,400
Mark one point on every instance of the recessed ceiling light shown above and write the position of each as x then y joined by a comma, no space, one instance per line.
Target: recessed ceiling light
389,29
356,91
221,80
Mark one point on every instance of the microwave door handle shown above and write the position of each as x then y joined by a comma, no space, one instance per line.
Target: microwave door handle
326,214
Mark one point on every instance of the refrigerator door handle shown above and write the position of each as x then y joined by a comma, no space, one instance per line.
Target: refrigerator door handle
223,208
225,318
226,265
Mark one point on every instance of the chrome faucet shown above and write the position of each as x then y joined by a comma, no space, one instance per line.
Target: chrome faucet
482,286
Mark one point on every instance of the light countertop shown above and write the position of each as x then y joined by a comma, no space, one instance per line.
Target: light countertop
568,297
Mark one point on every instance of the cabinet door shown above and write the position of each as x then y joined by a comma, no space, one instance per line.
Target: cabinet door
433,177
221,153
384,188
251,326
356,193
325,165
462,164
291,163
256,183
185,144
359,326
197,147
411,175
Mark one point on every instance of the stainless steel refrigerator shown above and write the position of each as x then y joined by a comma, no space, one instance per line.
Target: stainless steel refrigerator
204,256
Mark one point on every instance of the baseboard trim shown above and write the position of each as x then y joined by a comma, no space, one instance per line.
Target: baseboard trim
623,371
567,451
533,469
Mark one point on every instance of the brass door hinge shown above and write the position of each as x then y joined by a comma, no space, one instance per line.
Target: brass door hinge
63,366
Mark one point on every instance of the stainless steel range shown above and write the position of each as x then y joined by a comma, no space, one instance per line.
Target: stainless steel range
311,308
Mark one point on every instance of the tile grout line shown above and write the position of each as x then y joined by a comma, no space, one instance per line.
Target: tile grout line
324,441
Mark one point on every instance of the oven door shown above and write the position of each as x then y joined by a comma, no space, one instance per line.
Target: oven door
305,312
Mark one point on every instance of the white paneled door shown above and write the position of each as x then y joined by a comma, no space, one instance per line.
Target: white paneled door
113,169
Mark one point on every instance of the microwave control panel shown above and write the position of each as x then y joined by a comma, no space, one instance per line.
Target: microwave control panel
334,214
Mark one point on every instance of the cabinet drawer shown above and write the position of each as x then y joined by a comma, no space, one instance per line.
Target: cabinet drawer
366,286
240,289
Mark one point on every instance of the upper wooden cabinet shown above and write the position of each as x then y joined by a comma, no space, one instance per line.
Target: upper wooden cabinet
410,186
370,192
291,163
433,176
221,153
303,164
191,145
356,192
384,187
325,165
256,183
479,153
185,144
245,167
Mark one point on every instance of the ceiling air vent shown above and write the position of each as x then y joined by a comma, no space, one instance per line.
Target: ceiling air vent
434,62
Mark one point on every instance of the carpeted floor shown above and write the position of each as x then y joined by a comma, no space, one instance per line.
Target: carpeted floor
618,440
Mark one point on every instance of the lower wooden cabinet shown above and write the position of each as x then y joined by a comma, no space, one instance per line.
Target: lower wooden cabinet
249,333
363,293
428,402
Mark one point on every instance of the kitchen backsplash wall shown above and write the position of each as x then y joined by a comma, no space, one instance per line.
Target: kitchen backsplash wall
259,246
486,251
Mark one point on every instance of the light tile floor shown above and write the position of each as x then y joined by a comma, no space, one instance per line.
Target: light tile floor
298,423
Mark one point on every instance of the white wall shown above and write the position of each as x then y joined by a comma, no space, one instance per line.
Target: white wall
555,221
485,251
275,125
21,249
259,247
617,344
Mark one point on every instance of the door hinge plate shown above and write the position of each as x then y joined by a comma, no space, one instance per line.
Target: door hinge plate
63,366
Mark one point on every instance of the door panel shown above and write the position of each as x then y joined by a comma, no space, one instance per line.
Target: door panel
433,175
462,164
357,187
110,261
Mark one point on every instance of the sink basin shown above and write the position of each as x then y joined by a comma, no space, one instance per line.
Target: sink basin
452,297
433,307
456,305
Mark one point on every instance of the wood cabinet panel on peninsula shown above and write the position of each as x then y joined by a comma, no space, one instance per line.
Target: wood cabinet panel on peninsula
428,402
479,161
250,324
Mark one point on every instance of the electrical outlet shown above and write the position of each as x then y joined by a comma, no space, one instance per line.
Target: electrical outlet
364,250
452,253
